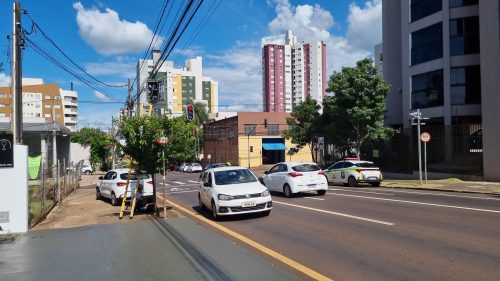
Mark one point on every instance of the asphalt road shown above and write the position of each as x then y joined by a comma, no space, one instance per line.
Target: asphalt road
368,233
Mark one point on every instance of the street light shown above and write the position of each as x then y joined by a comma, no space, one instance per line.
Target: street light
417,115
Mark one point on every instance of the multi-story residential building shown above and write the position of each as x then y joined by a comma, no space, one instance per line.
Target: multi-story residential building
443,57
379,59
291,72
70,108
177,87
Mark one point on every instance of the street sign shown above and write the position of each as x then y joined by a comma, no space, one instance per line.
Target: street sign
321,142
425,137
6,151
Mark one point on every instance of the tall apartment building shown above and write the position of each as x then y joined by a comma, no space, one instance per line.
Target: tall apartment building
443,57
43,101
291,72
177,87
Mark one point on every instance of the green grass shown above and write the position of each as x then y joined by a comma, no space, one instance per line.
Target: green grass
35,208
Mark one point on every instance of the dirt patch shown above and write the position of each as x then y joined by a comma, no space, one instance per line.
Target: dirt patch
81,209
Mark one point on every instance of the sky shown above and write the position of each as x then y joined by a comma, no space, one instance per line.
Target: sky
106,38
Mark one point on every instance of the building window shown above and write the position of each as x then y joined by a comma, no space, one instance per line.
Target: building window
427,44
250,130
460,3
427,89
423,8
273,129
2,104
464,36
465,83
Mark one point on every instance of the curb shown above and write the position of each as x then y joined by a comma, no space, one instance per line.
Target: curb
445,190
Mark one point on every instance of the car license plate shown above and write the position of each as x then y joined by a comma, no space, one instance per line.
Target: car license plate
311,185
248,204
373,178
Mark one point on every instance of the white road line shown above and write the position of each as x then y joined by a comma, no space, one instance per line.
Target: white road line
334,213
165,184
418,203
359,191
314,198
446,195
184,185
187,191
193,181
178,182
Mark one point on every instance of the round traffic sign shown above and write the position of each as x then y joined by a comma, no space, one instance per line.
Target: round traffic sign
425,137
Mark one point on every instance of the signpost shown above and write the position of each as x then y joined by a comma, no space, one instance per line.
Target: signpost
163,141
6,151
425,137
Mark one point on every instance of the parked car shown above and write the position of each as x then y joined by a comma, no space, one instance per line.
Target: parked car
214,165
195,168
294,177
353,172
184,167
112,186
87,169
173,167
233,190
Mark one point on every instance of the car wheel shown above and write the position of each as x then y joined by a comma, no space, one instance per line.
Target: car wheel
287,191
214,211
114,200
351,181
375,184
97,194
321,192
87,173
201,207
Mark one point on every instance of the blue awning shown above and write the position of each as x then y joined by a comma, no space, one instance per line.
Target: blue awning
273,146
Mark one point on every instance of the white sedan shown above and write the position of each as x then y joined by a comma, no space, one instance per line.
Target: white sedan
195,168
112,186
231,191
293,177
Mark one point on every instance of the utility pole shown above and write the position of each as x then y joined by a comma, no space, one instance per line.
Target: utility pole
16,91
129,100
54,136
113,136
418,116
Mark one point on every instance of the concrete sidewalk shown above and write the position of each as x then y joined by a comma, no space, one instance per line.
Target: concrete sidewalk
172,249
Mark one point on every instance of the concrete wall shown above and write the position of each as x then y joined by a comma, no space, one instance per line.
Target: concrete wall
490,86
78,152
14,193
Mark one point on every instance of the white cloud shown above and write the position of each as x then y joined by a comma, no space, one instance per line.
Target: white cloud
4,80
238,72
365,25
100,96
117,68
110,35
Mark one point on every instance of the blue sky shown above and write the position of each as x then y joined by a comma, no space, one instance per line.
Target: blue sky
107,38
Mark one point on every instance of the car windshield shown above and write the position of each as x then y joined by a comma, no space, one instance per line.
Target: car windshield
306,168
133,176
196,165
234,177
365,165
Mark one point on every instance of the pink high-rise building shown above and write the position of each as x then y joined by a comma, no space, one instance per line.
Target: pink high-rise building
292,72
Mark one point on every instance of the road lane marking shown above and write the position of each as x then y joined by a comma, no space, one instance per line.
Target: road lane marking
184,185
288,261
193,181
417,203
334,213
162,184
178,182
186,191
359,191
321,199
446,195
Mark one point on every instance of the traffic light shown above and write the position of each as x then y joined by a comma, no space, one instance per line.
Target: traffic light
152,90
251,148
190,112
265,123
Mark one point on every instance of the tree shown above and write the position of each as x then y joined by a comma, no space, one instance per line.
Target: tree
141,134
99,143
356,109
302,125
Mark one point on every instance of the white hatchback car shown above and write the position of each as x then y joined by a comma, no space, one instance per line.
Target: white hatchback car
231,191
195,168
184,167
293,177
112,186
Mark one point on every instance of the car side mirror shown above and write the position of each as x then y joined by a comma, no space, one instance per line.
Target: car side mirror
101,177
266,172
207,184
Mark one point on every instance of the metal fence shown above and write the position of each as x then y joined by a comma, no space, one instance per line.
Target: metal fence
51,186
453,149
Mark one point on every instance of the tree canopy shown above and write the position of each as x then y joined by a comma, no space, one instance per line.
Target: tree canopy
355,111
99,142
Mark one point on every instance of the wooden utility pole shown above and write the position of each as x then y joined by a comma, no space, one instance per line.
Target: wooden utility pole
129,99
16,117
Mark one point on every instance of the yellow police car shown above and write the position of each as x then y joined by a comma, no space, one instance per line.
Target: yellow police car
352,172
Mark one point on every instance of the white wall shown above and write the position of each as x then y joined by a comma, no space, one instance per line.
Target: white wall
78,152
14,192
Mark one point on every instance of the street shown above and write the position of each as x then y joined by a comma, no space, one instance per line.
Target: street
370,233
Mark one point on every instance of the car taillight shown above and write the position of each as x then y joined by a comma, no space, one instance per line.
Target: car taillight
121,183
295,174
321,173
150,182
